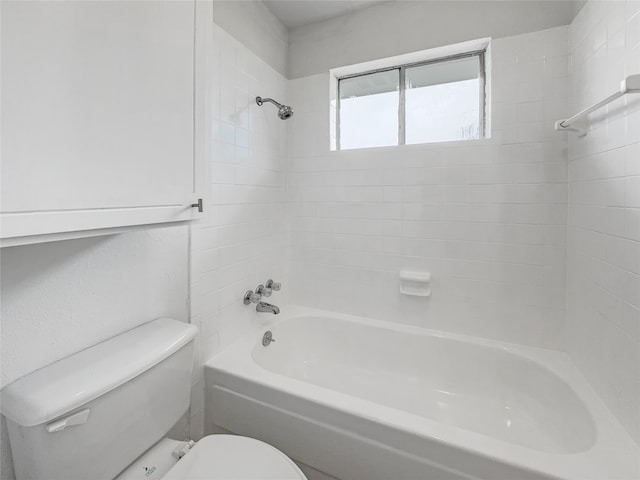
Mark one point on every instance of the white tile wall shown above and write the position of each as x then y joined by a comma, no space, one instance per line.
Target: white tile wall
486,218
241,241
603,332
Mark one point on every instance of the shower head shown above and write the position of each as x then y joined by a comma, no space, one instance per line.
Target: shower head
284,111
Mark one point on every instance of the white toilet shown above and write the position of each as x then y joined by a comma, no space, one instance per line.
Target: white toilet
104,412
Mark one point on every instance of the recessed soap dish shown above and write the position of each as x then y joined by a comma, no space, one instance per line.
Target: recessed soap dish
417,284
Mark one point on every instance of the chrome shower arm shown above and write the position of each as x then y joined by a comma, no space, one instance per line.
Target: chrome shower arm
260,101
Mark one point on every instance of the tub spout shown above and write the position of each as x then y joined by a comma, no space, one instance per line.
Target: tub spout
267,308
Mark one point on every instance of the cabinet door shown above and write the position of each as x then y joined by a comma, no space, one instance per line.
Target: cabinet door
97,114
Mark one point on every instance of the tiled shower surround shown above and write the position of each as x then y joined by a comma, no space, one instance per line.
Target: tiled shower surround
486,218
603,317
241,241
522,245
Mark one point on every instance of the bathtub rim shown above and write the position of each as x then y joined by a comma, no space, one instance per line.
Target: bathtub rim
612,451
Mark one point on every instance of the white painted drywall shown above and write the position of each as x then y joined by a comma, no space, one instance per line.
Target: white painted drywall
62,297
254,26
394,28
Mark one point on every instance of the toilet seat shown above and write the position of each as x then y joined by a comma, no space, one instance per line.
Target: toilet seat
231,457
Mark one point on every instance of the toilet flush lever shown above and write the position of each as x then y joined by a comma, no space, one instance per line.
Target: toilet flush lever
77,418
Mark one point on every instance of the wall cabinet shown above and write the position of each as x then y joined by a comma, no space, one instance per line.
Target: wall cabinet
99,117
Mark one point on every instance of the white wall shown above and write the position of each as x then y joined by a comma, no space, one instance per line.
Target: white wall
603,334
254,26
486,218
241,241
394,28
62,297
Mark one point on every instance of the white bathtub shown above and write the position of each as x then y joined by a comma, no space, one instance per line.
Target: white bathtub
359,398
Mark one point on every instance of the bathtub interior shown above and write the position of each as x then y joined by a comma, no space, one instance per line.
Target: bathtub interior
474,387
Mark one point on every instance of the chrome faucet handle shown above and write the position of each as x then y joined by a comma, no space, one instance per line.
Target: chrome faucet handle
275,286
250,297
264,291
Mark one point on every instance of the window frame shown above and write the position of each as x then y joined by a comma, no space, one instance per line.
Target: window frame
402,91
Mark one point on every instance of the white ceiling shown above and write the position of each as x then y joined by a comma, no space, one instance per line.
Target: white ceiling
295,13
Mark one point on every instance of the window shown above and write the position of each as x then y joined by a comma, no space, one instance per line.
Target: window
440,100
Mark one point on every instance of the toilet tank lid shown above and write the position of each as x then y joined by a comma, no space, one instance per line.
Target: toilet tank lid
82,377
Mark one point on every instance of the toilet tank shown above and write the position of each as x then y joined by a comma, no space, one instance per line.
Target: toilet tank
90,415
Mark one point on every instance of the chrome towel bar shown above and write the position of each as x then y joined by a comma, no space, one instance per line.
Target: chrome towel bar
631,84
